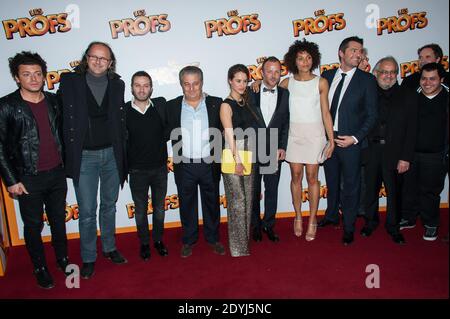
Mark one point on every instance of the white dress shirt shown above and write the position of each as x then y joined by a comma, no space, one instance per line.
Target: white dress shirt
268,103
333,86
137,108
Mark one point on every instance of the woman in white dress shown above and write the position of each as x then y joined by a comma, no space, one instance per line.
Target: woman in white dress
310,120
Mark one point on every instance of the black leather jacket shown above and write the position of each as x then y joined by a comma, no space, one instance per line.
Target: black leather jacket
19,137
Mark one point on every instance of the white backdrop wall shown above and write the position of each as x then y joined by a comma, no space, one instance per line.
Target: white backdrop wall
171,34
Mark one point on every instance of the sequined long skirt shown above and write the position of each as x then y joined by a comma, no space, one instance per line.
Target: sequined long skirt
239,191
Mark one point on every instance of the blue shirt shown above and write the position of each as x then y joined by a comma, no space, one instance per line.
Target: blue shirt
195,130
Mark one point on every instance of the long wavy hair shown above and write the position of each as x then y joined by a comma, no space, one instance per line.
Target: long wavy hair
83,66
232,71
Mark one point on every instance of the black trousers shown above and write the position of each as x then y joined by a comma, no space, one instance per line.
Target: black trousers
47,189
140,183
345,161
376,172
423,185
271,182
191,176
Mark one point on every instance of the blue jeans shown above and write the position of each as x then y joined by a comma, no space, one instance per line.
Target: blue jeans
97,165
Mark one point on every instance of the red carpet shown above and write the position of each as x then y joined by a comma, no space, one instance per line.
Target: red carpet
290,269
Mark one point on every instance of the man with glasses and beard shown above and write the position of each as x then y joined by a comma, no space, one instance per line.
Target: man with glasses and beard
94,138
391,147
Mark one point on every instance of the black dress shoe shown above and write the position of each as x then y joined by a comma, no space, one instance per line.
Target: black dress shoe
87,271
43,277
398,238
161,249
325,222
145,252
115,257
186,250
256,234
271,234
62,264
218,248
366,231
347,239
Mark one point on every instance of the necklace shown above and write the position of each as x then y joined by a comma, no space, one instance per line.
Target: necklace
240,103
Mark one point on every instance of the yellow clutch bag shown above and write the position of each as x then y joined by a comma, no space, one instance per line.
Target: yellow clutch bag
228,162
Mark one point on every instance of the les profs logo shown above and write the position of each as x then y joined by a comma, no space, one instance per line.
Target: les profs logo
403,22
141,25
233,25
320,23
53,77
38,25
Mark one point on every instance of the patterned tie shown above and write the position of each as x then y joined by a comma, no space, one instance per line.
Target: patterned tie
337,94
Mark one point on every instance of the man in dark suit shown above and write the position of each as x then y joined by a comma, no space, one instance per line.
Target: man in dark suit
353,97
94,129
272,104
194,125
391,147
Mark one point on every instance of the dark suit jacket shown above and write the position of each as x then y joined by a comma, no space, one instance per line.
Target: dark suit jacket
358,108
401,127
280,118
72,92
173,121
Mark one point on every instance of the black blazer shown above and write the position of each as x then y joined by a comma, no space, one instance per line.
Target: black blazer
401,127
280,118
173,121
72,93
358,108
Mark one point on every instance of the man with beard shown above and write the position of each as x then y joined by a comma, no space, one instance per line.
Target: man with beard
94,138
147,158
391,147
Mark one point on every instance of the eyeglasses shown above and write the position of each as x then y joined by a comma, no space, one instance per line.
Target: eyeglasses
94,58
384,72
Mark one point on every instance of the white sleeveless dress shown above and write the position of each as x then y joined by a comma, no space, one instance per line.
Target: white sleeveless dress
306,131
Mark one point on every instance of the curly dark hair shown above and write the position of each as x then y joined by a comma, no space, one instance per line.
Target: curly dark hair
302,46
26,58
